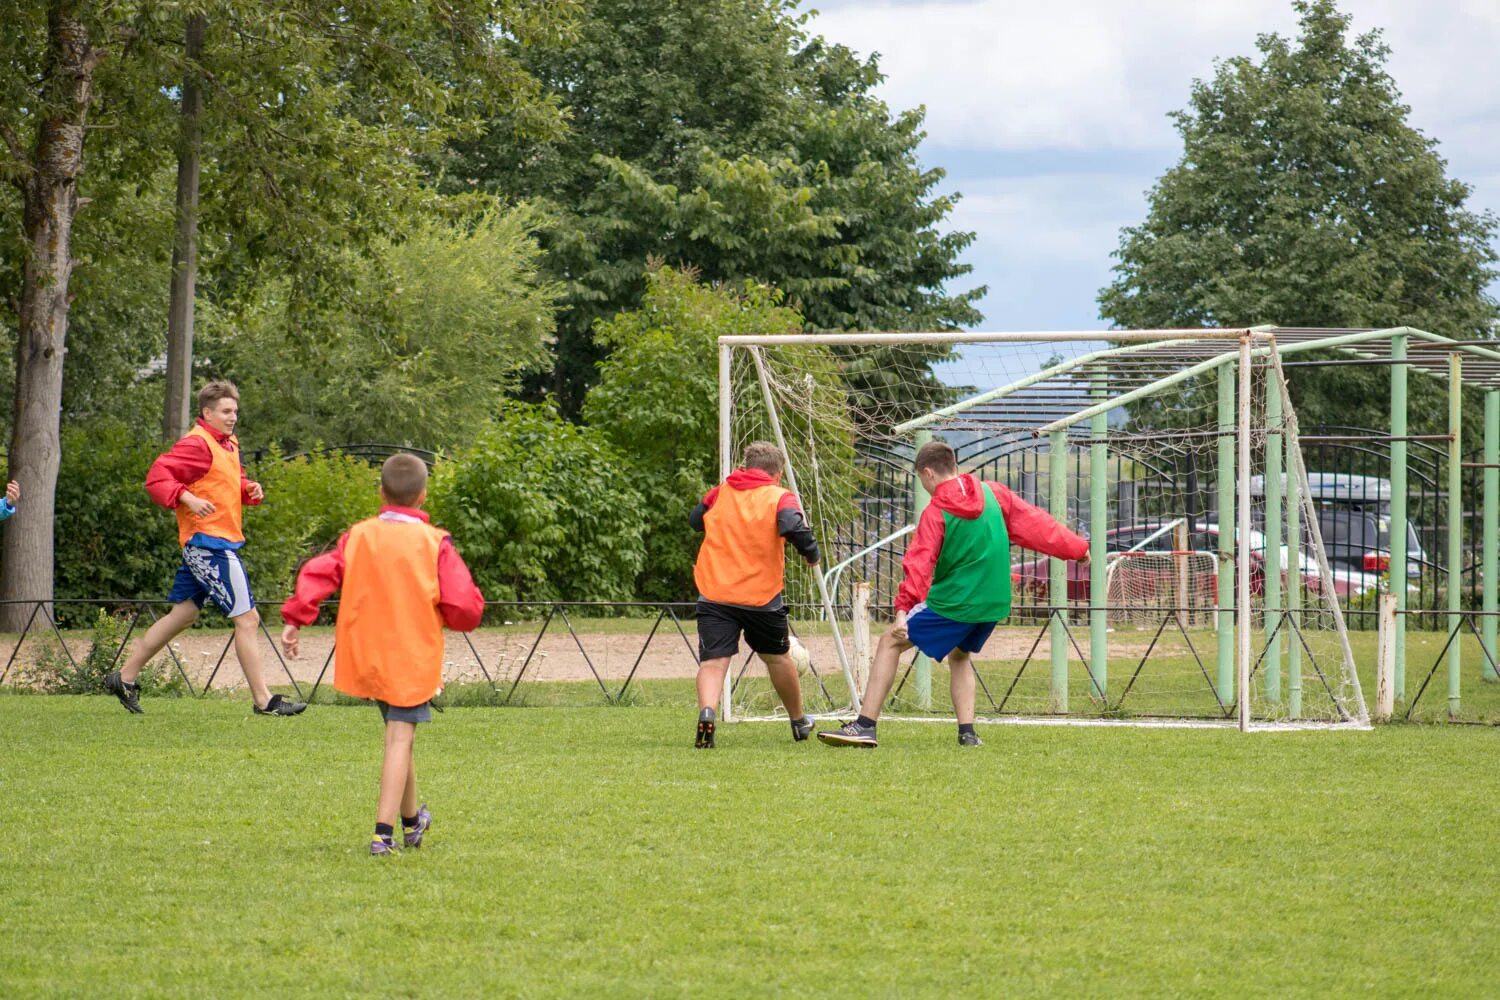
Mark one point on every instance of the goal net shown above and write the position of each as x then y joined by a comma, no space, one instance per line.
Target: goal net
1204,602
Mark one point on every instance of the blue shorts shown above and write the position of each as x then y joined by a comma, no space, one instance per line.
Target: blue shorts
938,636
413,714
213,575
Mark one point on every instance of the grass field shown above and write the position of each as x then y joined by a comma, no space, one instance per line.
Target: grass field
199,851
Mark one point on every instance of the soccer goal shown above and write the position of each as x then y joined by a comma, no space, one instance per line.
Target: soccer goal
1202,603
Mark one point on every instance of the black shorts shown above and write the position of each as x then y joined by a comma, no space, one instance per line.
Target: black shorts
720,625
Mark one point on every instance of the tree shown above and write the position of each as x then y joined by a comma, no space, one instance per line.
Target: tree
654,403
1303,198
429,330
303,157
51,82
722,136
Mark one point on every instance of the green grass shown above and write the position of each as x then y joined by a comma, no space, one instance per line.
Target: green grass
199,851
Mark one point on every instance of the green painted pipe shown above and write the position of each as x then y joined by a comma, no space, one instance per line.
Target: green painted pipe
1227,376
1399,556
1491,528
1271,665
1294,579
1057,585
1098,536
1455,527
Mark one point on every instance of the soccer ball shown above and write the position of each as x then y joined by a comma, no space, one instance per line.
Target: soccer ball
799,655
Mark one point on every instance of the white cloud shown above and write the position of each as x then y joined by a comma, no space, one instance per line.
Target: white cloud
1094,74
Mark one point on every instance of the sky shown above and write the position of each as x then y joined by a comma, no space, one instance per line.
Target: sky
1051,118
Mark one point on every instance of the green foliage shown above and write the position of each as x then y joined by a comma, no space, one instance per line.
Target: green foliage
431,329
53,672
112,541
310,501
655,403
1304,198
722,136
542,509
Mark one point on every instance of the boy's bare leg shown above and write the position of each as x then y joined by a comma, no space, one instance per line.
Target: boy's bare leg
165,629
711,675
784,679
395,771
882,673
961,685
409,796
247,648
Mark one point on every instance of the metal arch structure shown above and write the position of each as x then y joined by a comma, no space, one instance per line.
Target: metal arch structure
1139,363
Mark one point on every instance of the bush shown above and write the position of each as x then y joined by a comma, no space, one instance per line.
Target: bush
54,673
112,541
310,501
542,510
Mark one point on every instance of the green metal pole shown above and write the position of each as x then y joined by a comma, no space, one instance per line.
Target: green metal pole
1057,589
921,671
1491,527
1455,526
1271,667
1098,530
1294,579
1227,376
1398,506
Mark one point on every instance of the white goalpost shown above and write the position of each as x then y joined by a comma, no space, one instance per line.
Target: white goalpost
1201,605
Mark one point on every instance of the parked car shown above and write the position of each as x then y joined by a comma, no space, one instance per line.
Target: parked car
1031,576
1354,518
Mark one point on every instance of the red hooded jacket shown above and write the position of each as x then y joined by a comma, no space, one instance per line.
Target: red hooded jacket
1029,527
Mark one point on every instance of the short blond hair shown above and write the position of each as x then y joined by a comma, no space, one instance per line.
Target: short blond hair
765,456
214,391
938,457
403,477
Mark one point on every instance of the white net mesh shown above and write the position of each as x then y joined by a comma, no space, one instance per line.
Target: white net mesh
1135,446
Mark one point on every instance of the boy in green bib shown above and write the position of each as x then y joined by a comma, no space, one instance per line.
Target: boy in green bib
956,584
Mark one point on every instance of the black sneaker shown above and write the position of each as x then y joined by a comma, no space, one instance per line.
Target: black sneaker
970,740
850,735
280,706
705,737
128,693
802,728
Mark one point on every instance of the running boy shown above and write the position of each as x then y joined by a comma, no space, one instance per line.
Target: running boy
11,498
747,521
202,480
956,584
402,582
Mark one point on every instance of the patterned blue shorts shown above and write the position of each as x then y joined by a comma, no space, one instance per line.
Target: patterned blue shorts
213,575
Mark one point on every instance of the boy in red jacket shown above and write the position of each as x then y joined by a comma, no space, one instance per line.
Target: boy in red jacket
956,585
201,479
402,581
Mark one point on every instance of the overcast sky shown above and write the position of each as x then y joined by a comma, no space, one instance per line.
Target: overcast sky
1051,118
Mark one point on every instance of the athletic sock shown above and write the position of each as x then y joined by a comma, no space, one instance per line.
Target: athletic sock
385,830
408,821
965,727
865,721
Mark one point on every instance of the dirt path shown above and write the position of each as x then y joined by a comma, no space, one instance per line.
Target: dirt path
501,652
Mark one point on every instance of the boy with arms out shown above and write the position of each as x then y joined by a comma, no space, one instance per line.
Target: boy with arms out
747,521
956,584
202,480
402,581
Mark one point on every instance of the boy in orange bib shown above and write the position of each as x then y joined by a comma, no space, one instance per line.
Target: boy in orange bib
747,521
202,480
402,581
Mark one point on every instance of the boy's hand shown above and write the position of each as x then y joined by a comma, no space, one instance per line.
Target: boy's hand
291,641
196,505
899,629
256,491
12,492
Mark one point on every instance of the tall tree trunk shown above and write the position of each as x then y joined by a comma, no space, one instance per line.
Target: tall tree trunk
50,201
177,414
